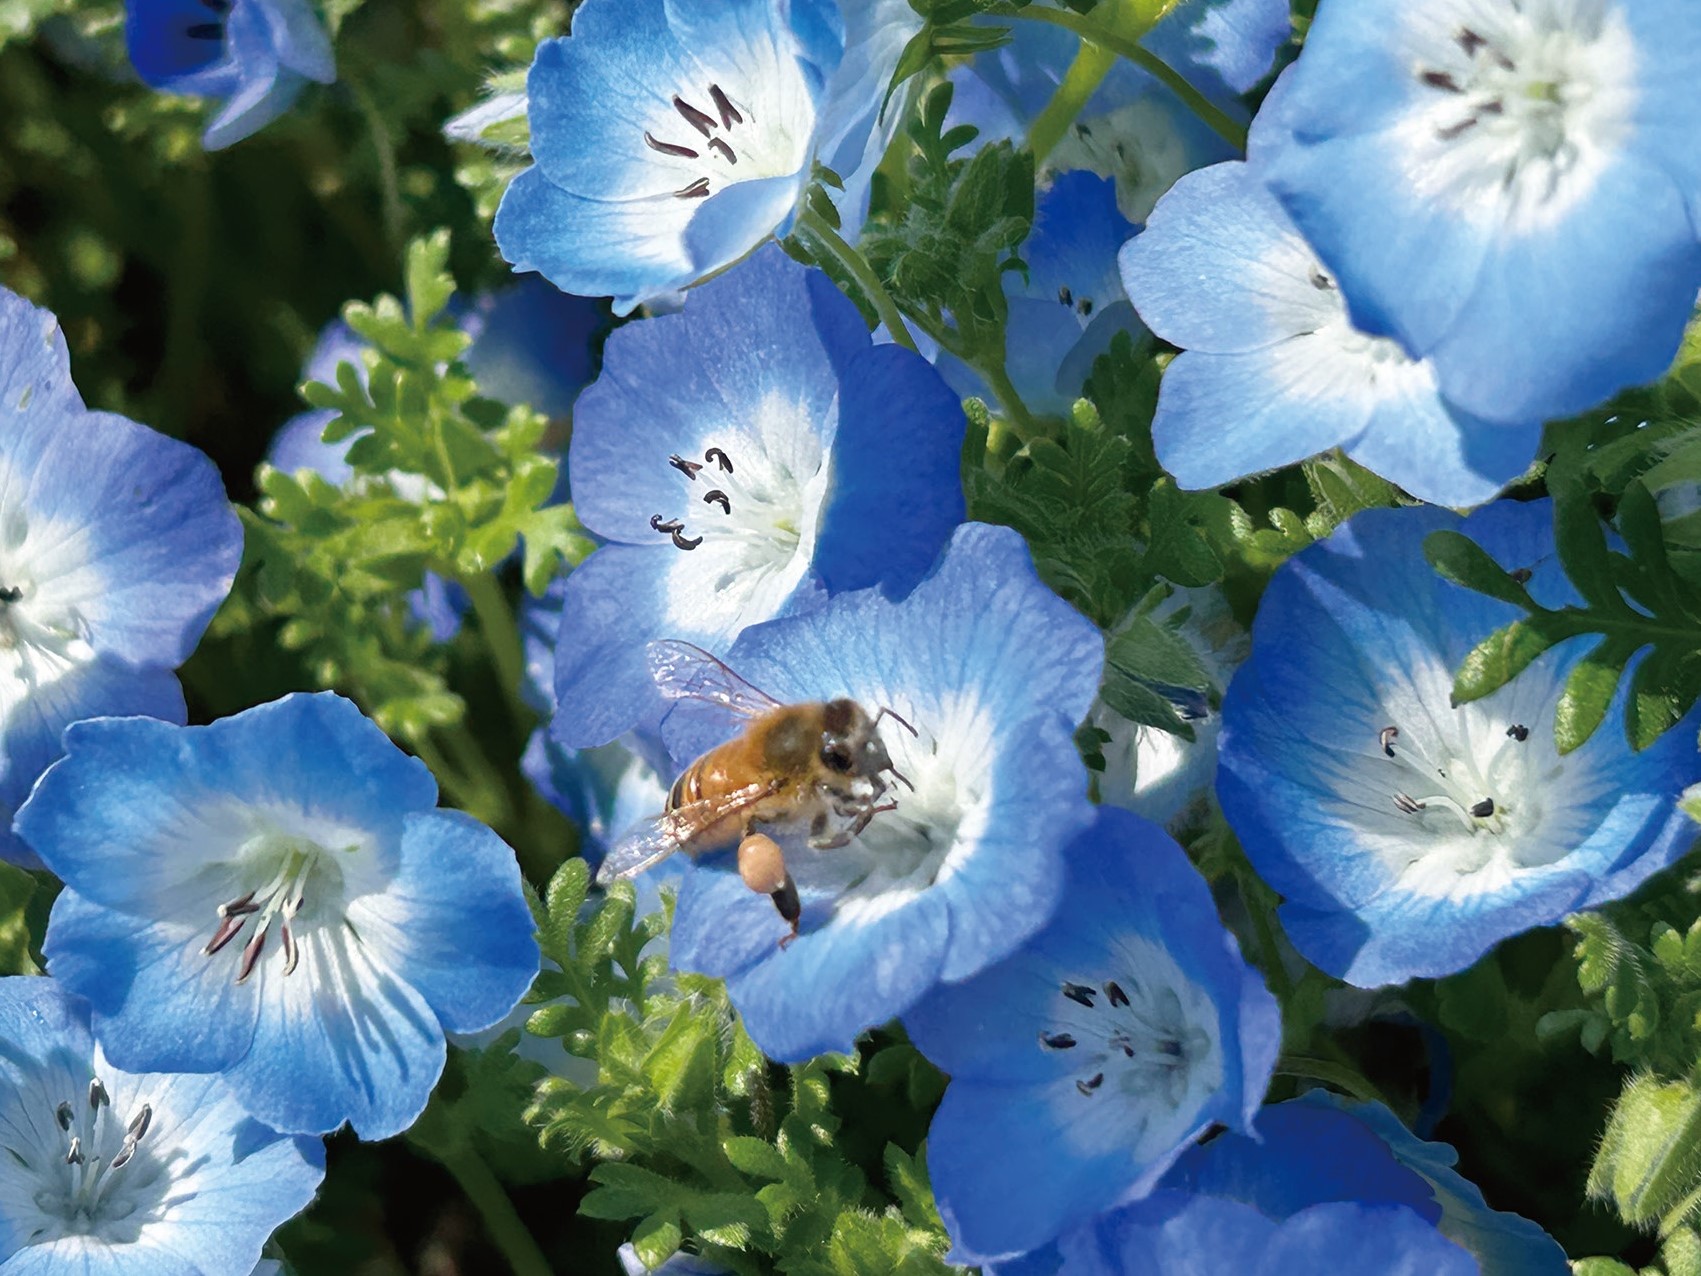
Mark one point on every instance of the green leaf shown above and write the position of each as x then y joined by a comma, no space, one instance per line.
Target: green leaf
1588,693
656,1239
1649,1161
1507,652
1456,557
1663,689
563,899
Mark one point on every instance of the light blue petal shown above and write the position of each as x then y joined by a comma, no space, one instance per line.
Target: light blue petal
1221,46
35,367
1439,453
1390,1240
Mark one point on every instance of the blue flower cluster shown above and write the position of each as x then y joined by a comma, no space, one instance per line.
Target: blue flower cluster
247,952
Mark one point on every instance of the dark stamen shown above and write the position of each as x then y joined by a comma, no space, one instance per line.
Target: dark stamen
718,497
251,955
682,542
1409,805
687,468
1321,281
1387,736
695,118
1064,296
1521,575
1494,106
1441,80
1091,1083
729,112
1084,306
1057,1040
125,1152
292,954
64,1114
139,1123
205,31
720,458
75,1155
669,148
698,189
672,525
226,932
11,594
1113,990
98,1097
1455,130
716,144
1080,994
1483,809
1469,41
1518,731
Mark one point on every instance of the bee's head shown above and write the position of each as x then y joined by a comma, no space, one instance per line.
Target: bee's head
850,743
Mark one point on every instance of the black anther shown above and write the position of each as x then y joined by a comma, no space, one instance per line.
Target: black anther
716,144
1483,809
672,524
1057,1040
695,118
729,112
1469,41
1084,307
687,468
718,497
1441,80
698,189
682,542
1080,994
1113,990
1518,731
720,458
11,594
1091,1083
669,148
1064,296
1387,736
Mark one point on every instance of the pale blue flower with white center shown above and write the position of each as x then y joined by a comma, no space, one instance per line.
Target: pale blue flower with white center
669,141
744,459
254,54
269,897
993,671
1274,371
1511,190
1085,1063
1408,836
116,546
116,1173
1318,1184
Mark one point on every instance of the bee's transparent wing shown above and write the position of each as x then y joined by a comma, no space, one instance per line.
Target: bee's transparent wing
683,671
645,843
653,840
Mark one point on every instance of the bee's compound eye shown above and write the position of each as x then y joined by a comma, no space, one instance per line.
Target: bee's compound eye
836,757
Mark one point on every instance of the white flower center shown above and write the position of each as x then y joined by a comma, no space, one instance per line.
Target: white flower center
1144,1050
747,520
1457,802
1136,145
43,633
87,1168
716,134
1523,106
280,872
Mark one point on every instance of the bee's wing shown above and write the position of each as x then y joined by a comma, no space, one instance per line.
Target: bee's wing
683,671
654,839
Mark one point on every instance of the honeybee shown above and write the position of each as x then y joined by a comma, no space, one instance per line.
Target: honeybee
820,764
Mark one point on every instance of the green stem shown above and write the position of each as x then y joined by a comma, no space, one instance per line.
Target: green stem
389,186
1016,415
1229,129
1092,63
502,637
856,265
501,1220
1337,1075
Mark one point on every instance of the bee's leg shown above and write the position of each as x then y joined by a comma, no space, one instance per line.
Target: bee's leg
844,835
762,865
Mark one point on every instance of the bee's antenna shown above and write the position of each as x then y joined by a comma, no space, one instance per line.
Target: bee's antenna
899,775
893,714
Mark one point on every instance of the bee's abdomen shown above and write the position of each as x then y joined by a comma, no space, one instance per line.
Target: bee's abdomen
687,788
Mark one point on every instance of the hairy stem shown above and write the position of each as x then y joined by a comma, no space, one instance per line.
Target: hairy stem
1092,63
856,265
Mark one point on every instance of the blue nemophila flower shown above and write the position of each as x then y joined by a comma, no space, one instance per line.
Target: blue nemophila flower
253,54
670,140
743,458
272,897
111,1172
1132,128
1508,188
1410,837
1320,1185
1083,1065
116,547
1273,369
993,671
1068,304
